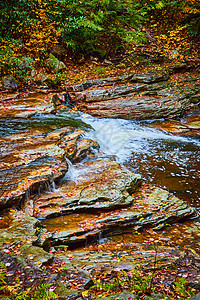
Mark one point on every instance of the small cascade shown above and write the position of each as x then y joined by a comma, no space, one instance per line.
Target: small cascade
47,186
122,138
53,187
28,194
71,173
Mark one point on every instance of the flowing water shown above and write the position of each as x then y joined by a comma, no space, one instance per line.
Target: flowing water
166,160
169,161
163,159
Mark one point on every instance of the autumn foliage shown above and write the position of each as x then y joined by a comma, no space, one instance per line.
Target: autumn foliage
31,30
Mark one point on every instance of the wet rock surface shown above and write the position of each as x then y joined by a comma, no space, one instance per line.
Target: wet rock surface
71,273
108,261
153,208
152,99
9,83
34,156
103,185
24,107
188,125
19,238
26,180
21,250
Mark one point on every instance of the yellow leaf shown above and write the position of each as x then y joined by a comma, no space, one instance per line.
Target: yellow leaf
85,293
193,251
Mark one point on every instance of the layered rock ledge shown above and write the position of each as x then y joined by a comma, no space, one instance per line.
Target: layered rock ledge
137,97
23,107
100,185
35,155
154,207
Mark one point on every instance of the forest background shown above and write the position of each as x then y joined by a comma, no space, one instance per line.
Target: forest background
52,36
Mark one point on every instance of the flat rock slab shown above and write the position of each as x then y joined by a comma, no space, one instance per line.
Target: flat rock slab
144,96
24,107
101,185
22,244
110,81
153,207
139,108
20,183
108,261
131,259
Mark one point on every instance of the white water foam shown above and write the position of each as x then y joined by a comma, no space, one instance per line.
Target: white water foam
76,172
71,173
122,138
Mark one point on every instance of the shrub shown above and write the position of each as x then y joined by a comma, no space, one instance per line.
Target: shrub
17,291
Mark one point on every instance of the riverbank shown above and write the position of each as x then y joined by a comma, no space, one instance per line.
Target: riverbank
77,175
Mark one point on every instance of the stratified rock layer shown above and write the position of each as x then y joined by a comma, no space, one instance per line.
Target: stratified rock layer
103,185
22,239
137,97
35,155
21,107
154,207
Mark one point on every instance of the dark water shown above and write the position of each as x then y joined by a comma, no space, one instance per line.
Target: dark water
165,160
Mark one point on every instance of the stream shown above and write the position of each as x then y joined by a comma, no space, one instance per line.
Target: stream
163,159
112,193
166,160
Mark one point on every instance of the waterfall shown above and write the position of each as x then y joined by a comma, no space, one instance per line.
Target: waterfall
71,173
53,187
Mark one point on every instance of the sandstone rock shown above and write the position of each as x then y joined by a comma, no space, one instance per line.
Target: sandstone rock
194,125
153,208
104,185
188,125
38,158
60,66
65,293
195,98
149,78
53,64
153,99
138,108
144,78
60,99
120,259
33,73
41,77
19,252
29,179
21,107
